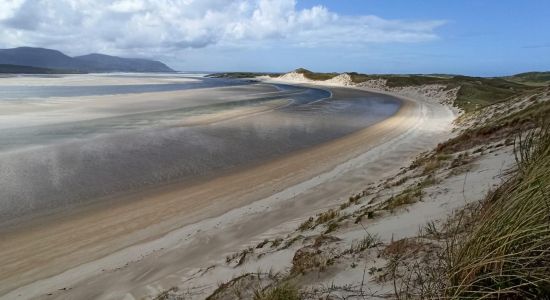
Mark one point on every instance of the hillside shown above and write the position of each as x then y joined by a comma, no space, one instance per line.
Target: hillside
53,59
105,63
472,93
17,69
457,245
533,78
424,231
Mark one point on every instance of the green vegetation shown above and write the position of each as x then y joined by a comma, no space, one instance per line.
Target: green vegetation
477,92
240,255
410,195
473,93
495,249
532,78
369,241
498,248
497,129
316,76
322,218
169,294
507,254
308,224
282,291
431,165
309,258
331,227
258,285
276,242
291,241
327,216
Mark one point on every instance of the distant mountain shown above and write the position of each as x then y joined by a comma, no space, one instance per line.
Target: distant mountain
106,63
53,59
18,69
37,57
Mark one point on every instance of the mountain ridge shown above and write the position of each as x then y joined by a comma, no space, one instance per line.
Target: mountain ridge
94,62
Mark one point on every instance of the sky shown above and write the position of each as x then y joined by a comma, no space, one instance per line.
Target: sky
470,37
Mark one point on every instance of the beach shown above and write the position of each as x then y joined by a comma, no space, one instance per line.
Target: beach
143,242
274,150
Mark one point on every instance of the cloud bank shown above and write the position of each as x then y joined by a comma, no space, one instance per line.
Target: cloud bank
157,26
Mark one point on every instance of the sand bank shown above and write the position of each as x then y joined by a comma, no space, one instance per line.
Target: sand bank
140,247
90,80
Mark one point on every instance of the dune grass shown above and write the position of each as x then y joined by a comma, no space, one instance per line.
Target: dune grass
507,254
473,93
282,291
315,75
498,128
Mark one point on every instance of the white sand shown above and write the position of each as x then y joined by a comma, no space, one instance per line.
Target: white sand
90,80
54,110
180,257
453,191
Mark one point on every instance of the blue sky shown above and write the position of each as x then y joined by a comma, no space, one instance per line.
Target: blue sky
480,37
472,37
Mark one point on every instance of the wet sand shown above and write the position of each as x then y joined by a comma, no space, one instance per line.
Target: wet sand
91,79
65,249
59,163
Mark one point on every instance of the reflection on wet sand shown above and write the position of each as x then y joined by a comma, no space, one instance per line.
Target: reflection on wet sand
54,165
161,174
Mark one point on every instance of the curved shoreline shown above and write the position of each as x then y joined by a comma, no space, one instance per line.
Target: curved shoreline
271,179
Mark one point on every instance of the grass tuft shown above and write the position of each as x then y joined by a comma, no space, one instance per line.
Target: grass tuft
282,291
326,216
410,195
507,255
367,242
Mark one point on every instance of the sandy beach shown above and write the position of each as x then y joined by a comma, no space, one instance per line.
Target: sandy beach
91,80
274,150
138,248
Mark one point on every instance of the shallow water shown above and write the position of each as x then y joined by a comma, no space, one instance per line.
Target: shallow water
67,163
18,92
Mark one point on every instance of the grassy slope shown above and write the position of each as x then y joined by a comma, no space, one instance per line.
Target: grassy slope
507,253
474,92
315,76
531,78
499,249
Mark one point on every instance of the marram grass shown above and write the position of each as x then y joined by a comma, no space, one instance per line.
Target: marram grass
507,256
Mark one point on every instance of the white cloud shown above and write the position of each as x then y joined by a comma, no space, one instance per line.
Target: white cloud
161,26
127,6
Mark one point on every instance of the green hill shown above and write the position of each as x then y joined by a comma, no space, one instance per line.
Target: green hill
533,78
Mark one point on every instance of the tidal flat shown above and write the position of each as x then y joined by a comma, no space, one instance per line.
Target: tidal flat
61,146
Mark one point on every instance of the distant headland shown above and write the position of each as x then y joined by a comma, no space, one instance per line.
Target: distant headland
47,61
